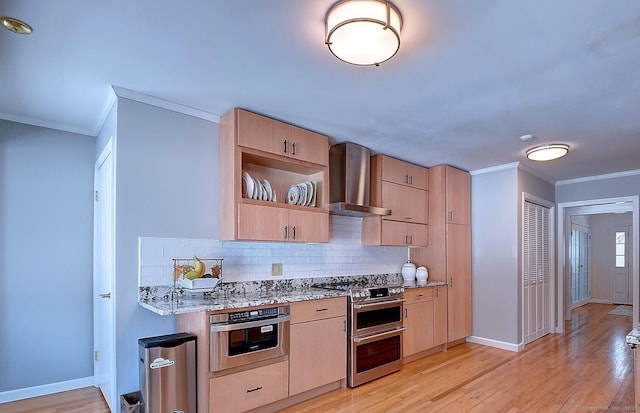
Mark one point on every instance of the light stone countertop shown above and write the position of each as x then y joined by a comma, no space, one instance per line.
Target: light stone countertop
165,300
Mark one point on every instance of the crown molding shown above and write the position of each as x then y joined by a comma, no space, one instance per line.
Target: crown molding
48,125
496,168
599,177
164,104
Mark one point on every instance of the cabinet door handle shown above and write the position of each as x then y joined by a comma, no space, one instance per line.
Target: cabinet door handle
254,389
406,179
410,179
450,216
450,282
285,146
406,240
286,232
419,295
410,239
406,313
293,148
344,325
294,232
437,290
408,218
322,309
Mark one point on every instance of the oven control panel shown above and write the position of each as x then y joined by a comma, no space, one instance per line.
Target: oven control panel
364,294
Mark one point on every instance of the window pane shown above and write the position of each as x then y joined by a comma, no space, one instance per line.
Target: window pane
619,249
620,261
620,237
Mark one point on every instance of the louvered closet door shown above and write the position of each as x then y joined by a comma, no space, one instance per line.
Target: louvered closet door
536,272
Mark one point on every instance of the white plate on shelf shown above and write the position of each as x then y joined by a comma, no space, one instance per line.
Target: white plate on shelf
309,192
273,198
248,185
258,191
314,185
303,194
293,195
268,189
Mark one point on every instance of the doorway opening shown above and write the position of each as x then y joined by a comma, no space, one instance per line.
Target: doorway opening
566,211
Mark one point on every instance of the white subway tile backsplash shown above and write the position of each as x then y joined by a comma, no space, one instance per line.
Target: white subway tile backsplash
251,261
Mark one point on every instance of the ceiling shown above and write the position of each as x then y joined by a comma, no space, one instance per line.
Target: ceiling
470,78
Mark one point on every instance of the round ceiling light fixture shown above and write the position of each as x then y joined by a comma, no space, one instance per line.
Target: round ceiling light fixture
363,32
15,25
548,152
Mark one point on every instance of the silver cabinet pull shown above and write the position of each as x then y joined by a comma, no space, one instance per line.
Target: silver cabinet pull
410,179
293,148
437,292
285,146
322,309
105,295
294,232
450,216
406,313
254,389
286,232
450,282
406,179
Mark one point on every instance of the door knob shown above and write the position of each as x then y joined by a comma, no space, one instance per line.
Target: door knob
106,295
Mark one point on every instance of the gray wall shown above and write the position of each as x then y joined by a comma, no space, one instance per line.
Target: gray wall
166,180
46,237
494,223
598,189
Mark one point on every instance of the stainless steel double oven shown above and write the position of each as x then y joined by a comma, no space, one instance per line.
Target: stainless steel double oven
375,333
240,340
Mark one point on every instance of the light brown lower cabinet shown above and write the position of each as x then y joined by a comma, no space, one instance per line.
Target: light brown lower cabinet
440,315
418,321
249,389
318,344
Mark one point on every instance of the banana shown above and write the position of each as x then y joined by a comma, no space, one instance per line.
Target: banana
200,267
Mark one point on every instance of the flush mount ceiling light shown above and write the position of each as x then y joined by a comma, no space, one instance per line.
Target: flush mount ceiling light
363,32
548,152
15,25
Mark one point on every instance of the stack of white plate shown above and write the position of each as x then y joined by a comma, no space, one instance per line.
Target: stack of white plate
303,193
253,188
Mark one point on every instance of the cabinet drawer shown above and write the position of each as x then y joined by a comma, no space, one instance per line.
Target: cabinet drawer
318,309
415,295
249,389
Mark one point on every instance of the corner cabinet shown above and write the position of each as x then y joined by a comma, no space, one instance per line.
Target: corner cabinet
284,155
403,188
448,255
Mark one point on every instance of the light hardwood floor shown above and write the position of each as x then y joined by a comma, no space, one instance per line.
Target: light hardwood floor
589,368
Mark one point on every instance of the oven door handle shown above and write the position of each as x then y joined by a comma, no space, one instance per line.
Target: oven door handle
215,328
379,335
379,304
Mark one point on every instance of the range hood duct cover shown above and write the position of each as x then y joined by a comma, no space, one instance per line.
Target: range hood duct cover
349,165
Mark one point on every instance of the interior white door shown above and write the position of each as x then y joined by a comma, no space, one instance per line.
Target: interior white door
580,265
103,279
620,276
536,274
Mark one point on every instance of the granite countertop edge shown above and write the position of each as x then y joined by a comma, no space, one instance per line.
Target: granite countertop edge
165,301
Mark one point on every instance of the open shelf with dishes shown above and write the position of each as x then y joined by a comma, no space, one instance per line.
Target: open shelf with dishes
271,196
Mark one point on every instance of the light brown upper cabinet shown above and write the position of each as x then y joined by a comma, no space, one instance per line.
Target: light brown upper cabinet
457,190
279,138
284,155
400,172
402,188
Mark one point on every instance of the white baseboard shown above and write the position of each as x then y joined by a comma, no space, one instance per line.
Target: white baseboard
495,343
26,393
600,301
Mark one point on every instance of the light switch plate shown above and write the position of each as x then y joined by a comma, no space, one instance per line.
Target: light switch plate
276,268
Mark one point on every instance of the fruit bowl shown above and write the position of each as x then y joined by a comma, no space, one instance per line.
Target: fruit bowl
197,274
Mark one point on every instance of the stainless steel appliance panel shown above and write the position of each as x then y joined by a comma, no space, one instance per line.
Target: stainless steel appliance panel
374,355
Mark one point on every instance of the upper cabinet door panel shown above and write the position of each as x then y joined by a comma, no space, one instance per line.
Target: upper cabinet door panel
308,226
262,133
308,146
458,196
406,203
258,222
403,173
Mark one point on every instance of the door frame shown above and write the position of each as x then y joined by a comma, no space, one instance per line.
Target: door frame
590,207
629,248
107,153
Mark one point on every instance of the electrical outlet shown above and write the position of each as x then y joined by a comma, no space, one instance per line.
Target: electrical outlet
276,268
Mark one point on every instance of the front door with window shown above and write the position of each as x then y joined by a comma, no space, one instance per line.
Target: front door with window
620,279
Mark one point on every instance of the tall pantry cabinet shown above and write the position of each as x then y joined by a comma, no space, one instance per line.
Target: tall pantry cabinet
448,255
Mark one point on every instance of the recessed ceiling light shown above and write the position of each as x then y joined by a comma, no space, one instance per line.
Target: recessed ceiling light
15,25
548,152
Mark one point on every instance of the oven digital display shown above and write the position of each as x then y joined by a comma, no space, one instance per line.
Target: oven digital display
260,313
378,292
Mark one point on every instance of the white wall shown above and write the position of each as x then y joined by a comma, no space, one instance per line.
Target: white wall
494,220
46,226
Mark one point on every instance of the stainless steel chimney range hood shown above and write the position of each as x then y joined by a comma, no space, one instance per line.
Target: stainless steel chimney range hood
349,181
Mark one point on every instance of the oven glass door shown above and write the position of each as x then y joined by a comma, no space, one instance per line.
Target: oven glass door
252,339
378,353
374,317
